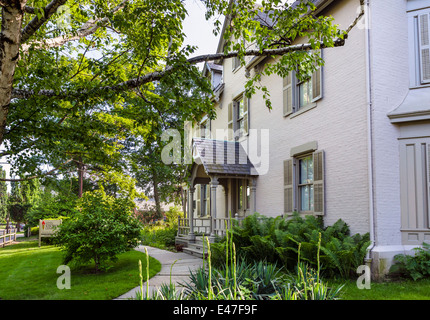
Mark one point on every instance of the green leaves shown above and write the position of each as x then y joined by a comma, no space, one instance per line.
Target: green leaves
279,240
102,228
415,266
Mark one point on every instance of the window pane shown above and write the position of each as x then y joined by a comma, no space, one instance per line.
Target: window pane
303,171
306,170
241,127
304,198
240,110
305,93
311,169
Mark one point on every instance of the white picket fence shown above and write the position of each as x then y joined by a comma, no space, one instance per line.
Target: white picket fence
7,237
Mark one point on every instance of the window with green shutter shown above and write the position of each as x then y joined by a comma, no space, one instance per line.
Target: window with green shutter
238,117
298,94
304,184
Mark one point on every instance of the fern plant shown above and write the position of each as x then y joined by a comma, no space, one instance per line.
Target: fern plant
415,266
276,240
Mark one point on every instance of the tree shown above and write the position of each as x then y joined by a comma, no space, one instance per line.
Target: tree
160,180
102,228
24,196
3,195
63,86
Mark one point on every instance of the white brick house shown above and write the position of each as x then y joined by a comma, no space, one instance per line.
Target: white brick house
351,144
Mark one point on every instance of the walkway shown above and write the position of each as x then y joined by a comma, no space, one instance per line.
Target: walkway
180,271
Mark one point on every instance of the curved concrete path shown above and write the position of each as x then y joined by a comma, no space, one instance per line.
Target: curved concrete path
180,270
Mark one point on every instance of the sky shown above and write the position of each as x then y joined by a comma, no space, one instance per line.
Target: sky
198,30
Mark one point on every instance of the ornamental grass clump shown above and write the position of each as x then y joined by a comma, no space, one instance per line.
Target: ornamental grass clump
244,280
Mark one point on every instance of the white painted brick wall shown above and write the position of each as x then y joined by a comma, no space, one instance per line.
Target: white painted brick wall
338,123
390,84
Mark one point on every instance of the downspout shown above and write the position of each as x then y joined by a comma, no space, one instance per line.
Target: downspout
368,259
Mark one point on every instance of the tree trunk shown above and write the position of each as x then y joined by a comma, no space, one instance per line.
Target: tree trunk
156,197
10,38
80,178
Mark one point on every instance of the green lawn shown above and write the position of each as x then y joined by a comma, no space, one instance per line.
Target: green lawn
28,272
393,290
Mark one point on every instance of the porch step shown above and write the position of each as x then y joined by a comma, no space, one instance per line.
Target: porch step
195,248
194,252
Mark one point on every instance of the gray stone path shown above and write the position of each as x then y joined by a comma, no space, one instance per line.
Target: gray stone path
180,270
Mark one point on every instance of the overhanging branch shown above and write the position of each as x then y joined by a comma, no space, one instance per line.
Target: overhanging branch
36,23
158,75
49,173
90,27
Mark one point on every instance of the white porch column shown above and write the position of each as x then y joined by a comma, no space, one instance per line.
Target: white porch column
214,184
191,235
252,195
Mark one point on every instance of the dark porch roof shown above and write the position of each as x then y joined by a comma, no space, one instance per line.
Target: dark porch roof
220,157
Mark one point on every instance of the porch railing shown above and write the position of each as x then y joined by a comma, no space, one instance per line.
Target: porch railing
203,226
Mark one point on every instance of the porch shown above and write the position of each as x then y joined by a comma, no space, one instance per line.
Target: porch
221,192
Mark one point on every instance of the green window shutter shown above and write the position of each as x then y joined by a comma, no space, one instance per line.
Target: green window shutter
288,94
317,83
245,115
208,129
424,42
230,121
318,158
196,133
235,63
288,186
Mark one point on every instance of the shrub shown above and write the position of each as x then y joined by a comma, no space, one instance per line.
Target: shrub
416,266
102,228
34,231
277,240
162,234
162,237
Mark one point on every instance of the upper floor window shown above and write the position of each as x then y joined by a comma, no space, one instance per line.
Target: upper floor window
299,94
205,128
238,117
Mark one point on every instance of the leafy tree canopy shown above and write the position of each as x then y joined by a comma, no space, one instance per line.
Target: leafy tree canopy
79,79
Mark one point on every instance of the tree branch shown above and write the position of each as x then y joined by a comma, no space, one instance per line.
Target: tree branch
90,27
158,75
36,23
29,9
50,172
